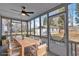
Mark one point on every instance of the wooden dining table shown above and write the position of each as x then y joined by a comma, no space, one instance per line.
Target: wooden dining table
26,43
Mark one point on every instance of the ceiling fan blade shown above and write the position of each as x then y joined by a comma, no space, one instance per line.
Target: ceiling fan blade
30,12
27,14
15,10
7,11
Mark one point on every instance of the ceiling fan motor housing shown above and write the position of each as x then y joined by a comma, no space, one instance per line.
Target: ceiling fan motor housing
23,11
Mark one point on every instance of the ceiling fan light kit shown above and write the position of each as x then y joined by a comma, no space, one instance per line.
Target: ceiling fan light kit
23,14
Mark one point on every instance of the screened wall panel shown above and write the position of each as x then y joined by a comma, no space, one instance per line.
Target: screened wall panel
44,25
73,27
37,26
24,29
6,26
32,27
29,28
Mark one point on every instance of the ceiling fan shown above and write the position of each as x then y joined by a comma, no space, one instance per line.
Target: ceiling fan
23,11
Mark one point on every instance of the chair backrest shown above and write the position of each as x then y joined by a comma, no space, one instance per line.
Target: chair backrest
5,42
14,48
42,50
15,51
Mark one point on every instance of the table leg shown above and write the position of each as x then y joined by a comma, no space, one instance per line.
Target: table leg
22,51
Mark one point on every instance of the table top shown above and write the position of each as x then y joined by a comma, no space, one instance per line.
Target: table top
27,42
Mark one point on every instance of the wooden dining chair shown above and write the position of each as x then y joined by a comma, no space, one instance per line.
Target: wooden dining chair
14,51
39,51
4,48
15,48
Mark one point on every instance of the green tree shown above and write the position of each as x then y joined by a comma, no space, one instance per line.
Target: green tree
61,22
52,23
45,21
77,13
77,9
